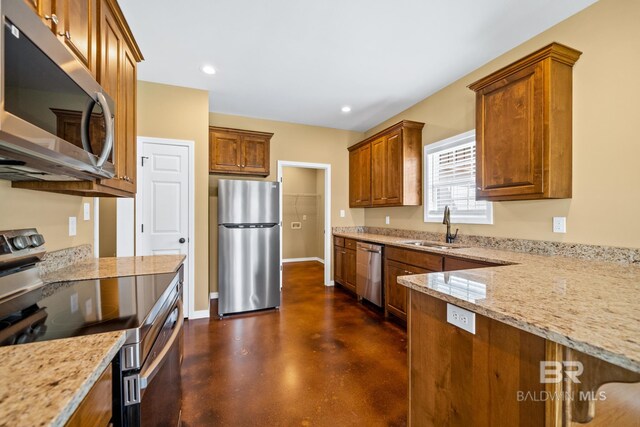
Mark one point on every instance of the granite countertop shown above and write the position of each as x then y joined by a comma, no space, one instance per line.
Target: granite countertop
43,383
589,306
100,268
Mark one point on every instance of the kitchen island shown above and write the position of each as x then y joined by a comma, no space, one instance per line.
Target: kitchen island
529,309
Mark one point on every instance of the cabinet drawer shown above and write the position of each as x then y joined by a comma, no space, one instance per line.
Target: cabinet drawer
350,243
338,241
451,264
419,259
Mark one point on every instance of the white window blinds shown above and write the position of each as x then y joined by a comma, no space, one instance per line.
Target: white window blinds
450,180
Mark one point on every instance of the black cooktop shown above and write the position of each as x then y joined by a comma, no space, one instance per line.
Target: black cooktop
69,309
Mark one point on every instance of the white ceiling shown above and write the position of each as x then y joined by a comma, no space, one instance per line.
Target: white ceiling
301,60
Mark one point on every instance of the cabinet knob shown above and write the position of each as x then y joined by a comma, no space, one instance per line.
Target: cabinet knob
242,165
66,35
53,18
35,3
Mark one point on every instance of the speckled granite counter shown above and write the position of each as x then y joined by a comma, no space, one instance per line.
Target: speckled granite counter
43,383
590,306
99,268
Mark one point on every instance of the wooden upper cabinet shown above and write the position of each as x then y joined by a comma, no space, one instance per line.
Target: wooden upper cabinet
77,30
238,151
523,127
118,64
360,176
96,32
386,168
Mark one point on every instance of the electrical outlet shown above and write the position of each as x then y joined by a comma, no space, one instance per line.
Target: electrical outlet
73,222
87,212
342,213
304,217
463,319
559,224
296,225
387,220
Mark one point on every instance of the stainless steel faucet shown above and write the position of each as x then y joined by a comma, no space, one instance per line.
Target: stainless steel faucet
447,221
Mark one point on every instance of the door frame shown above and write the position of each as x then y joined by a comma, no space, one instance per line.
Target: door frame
189,290
327,211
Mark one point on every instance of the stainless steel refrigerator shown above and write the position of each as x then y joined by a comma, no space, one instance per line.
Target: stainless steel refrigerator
248,245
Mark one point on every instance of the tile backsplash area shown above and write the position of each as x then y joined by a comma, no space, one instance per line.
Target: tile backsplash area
537,247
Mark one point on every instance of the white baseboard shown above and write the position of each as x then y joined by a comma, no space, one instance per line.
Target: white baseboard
331,283
213,295
199,314
303,259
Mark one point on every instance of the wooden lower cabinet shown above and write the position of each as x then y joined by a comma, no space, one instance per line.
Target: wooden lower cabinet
396,297
96,408
344,263
461,379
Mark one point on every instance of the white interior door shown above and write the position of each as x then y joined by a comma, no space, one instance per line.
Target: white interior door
164,212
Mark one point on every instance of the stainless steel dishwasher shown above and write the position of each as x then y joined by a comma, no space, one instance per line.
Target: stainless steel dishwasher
369,272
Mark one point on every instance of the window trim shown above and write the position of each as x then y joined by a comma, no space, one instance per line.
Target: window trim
428,149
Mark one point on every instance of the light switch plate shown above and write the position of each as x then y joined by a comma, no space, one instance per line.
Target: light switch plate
387,220
342,213
87,212
463,319
559,224
72,225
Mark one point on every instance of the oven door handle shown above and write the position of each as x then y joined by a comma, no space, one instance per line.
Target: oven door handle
148,373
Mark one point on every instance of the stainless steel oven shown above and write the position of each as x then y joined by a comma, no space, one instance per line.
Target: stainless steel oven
56,122
147,389
152,395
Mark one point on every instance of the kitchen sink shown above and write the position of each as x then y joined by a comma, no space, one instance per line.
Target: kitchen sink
434,245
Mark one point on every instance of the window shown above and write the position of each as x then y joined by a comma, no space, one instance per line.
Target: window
450,179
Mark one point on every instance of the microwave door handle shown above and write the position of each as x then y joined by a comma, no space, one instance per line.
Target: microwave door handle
108,141
84,128
148,373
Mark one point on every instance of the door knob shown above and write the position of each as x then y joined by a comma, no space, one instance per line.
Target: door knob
182,240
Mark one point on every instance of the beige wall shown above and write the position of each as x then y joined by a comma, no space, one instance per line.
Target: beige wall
301,204
48,212
300,143
606,152
182,113
108,240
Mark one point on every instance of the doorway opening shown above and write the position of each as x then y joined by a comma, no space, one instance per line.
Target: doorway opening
305,213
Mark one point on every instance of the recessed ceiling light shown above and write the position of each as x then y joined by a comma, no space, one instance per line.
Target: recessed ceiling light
208,69
346,109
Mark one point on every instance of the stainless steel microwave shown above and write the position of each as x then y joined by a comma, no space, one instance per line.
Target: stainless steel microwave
56,122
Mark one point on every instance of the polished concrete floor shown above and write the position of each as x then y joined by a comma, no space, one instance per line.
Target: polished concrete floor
321,360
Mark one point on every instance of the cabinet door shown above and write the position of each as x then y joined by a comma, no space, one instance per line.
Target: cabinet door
338,264
360,176
354,178
394,169
76,29
349,265
44,9
396,294
378,171
510,135
255,155
224,152
127,153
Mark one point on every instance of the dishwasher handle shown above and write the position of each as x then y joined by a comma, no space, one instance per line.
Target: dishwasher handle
370,250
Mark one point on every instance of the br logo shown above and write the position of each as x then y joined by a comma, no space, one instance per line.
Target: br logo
552,372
